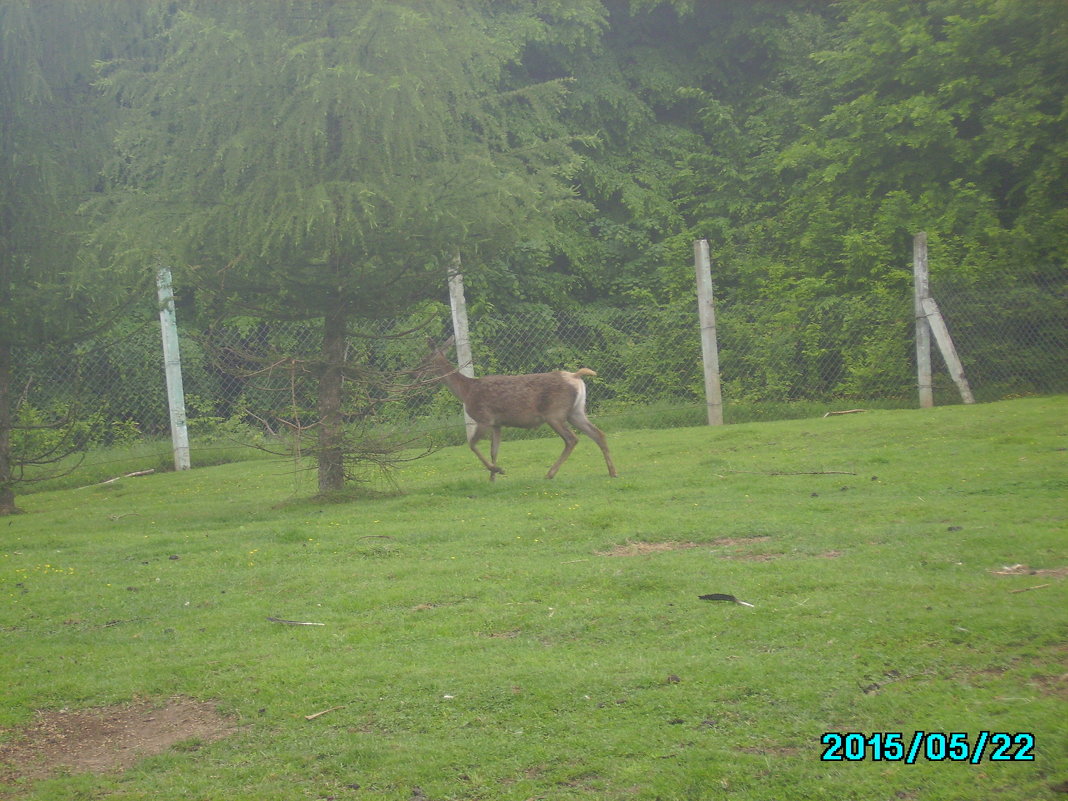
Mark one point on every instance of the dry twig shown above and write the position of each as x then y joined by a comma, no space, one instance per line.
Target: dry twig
127,475
293,622
1025,589
320,714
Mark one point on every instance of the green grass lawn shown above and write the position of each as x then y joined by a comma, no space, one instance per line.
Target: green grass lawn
532,639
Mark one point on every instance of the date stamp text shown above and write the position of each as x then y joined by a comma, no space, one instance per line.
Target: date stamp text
930,746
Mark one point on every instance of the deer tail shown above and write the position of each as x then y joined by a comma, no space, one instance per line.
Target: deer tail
583,371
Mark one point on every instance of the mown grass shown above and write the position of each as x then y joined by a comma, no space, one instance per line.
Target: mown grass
484,640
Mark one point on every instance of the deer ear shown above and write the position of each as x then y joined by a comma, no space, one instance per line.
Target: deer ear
448,342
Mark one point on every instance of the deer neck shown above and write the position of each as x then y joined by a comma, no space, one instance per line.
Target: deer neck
459,384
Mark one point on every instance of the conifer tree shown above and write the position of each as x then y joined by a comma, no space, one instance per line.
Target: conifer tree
323,161
54,130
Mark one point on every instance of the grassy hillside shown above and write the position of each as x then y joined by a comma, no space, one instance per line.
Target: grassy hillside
532,639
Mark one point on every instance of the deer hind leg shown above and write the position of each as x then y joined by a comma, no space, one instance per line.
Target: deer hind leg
495,444
579,420
570,441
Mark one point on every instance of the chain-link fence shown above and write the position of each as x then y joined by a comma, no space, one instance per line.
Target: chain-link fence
779,358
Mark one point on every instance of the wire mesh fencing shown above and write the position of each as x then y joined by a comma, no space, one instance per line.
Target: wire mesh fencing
779,357
1011,334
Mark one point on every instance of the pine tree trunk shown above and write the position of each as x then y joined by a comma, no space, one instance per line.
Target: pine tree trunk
331,432
7,484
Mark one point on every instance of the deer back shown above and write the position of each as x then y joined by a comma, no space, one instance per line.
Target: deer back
523,401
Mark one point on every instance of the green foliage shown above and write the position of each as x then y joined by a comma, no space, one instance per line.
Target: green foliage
47,435
339,157
849,347
41,436
54,133
915,138
999,321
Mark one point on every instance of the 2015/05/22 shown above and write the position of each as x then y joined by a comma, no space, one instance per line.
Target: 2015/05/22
931,746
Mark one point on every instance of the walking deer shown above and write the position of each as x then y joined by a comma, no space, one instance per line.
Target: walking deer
519,401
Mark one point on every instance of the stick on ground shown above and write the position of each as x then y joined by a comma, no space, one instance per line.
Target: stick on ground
320,714
293,622
136,473
1025,589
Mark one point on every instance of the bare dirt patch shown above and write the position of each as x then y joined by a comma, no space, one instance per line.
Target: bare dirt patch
1056,686
511,634
1024,570
731,542
771,750
106,739
736,549
751,557
645,548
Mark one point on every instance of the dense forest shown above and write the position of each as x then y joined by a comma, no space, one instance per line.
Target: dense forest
328,160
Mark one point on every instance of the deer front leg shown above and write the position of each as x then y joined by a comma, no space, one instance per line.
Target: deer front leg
495,443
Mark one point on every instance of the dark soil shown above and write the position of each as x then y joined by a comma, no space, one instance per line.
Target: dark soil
105,739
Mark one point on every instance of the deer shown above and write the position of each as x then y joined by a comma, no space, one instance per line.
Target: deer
518,401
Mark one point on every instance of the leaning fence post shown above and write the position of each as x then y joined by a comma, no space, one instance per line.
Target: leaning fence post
172,365
921,291
706,309
945,344
464,360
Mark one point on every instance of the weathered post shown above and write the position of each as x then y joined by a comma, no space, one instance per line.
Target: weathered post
706,309
172,365
464,361
921,291
949,352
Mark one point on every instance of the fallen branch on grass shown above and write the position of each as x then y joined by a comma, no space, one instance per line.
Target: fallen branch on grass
847,411
1025,589
320,714
127,475
293,622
